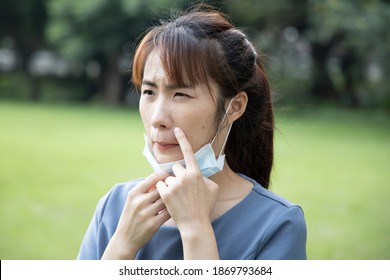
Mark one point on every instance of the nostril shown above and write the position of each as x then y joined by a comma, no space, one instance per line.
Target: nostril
160,118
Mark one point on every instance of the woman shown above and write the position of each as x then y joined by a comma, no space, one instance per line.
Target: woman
204,96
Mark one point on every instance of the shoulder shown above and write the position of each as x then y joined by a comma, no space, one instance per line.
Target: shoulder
283,233
275,208
269,199
273,227
274,201
275,211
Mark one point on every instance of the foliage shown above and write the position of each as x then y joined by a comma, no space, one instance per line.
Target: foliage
317,50
352,30
24,21
344,43
22,27
104,31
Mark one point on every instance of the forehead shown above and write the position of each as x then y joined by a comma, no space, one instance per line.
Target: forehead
153,67
155,71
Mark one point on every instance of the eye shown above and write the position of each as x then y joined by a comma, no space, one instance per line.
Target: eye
180,94
147,92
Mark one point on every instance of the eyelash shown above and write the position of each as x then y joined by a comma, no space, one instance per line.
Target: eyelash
181,94
177,94
148,92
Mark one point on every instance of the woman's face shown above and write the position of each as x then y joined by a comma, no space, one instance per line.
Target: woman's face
164,106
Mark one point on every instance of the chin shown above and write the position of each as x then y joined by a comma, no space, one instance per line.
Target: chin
166,158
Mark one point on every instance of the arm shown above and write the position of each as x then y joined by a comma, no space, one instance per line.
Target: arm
200,243
142,215
189,199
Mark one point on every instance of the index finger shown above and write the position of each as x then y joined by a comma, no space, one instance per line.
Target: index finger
186,149
150,182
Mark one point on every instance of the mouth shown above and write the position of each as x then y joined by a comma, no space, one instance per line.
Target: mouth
164,147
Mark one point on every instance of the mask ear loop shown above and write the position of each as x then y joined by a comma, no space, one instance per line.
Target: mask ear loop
224,143
230,127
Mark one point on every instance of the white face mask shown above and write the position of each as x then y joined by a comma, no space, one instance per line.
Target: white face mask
205,157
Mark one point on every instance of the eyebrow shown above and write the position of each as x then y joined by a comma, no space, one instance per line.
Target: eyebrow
169,86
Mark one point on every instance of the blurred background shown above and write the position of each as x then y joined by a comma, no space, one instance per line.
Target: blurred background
70,129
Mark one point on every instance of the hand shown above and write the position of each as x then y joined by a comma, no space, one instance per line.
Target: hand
188,196
143,213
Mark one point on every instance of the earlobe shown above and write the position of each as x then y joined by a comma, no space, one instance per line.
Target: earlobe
238,106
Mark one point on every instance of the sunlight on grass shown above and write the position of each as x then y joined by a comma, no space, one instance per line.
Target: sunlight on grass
335,164
57,161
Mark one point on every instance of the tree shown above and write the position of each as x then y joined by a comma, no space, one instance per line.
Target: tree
24,22
350,31
104,31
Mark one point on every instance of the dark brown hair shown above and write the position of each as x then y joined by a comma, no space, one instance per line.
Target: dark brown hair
203,44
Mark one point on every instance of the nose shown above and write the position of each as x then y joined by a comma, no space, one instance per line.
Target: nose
160,115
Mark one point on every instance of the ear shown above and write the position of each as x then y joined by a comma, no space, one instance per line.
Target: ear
238,106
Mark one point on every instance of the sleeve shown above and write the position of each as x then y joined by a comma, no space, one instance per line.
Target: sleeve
96,238
286,237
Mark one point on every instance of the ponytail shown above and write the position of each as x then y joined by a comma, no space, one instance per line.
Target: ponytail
249,149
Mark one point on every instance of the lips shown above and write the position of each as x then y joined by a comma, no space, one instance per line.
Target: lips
163,146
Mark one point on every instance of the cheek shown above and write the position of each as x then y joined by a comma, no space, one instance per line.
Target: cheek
199,131
145,115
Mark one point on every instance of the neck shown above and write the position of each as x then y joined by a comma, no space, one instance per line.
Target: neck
230,184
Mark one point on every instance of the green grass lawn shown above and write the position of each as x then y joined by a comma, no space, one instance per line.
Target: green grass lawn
56,161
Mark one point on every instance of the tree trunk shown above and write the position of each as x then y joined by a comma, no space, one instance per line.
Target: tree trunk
112,88
33,82
350,66
34,88
323,87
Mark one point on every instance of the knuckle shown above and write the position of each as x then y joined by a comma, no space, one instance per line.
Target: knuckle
137,207
166,198
194,173
136,202
143,216
131,194
180,181
197,175
176,167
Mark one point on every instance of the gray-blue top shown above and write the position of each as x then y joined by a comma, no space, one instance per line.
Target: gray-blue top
262,226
